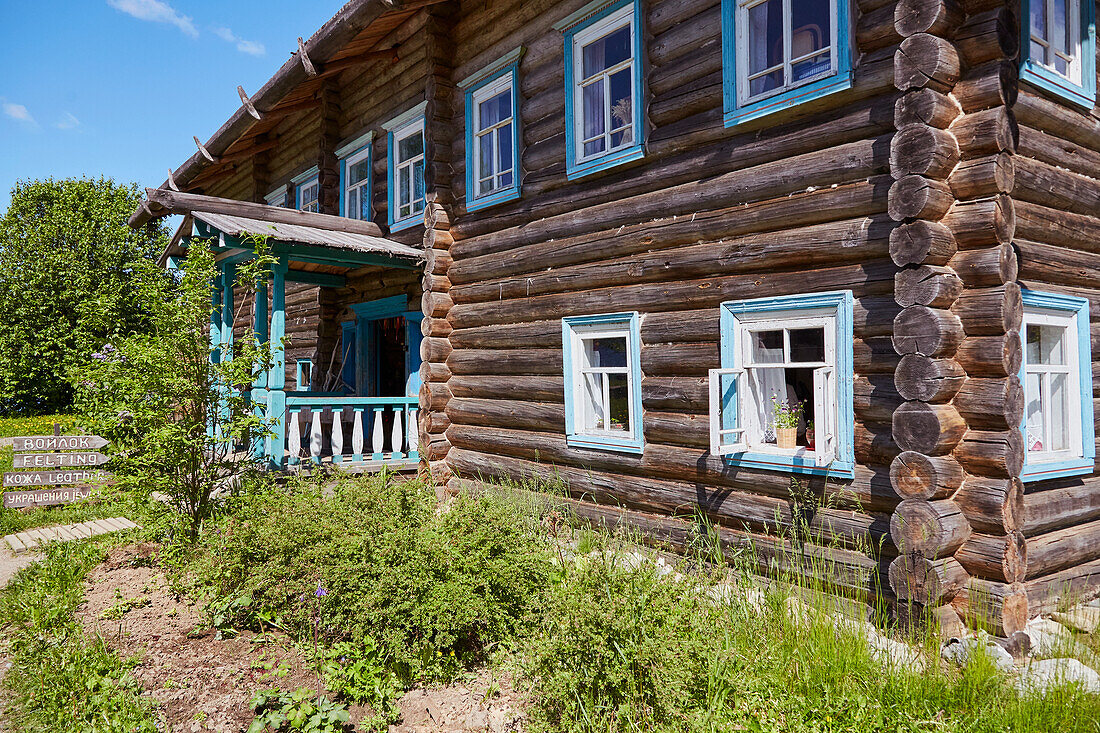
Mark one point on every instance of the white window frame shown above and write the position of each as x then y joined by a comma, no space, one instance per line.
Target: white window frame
1072,369
399,167
362,186
606,26
311,183
490,90
743,48
1073,56
277,197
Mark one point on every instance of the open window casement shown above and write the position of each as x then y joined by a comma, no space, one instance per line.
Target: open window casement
824,416
727,434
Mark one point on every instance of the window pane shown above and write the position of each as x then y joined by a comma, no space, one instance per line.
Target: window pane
1038,19
767,347
1060,35
812,67
357,172
504,143
1045,345
364,204
1059,412
766,83
485,155
614,48
765,35
807,344
1038,53
1033,391
621,99
411,147
353,203
495,110
618,408
506,180
811,27
418,185
405,189
606,352
593,110
595,416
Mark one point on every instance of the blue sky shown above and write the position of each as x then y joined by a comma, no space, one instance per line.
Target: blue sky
119,87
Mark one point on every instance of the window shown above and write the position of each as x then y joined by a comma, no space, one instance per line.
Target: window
406,167
307,191
779,53
603,385
790,355
305,375
1057,378
492,135
355,177
277,197
1059,38
603,87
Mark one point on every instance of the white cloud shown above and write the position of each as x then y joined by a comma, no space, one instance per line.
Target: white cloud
18,112
156,12
252,48
68,121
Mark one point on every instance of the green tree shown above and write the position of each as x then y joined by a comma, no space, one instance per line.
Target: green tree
68,283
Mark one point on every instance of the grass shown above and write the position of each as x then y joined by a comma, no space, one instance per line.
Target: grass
11,427
60,678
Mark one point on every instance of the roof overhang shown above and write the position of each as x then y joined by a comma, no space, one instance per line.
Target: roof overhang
341,43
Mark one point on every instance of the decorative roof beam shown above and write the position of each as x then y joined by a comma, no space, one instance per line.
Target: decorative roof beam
248,103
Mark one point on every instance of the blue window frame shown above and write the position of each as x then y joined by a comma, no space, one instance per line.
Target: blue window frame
405,144
780,53
492,133
603,382
356,178
1058,429
1059,48
603,86
796,350
305,375
307,191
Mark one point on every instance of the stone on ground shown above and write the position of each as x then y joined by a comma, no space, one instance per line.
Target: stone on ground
1085,619
963,652
1042,675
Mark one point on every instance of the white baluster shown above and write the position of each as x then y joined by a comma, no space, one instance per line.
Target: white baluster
337,435
377,433
294,437
357,435
315,436
397,434
413,432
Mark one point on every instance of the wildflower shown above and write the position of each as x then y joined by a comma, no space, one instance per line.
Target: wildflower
321,590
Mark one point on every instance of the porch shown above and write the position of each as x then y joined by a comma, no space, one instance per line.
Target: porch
353,400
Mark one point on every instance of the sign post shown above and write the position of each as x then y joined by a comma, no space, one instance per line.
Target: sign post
70,463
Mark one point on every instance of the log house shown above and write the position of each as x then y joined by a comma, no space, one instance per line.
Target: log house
596,242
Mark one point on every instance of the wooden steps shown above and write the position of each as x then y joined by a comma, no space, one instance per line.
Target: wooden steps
32,538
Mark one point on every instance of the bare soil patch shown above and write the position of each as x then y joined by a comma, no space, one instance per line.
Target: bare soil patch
202,682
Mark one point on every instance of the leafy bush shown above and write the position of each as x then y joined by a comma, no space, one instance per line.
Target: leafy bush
298,710
371,558
70,278
61,679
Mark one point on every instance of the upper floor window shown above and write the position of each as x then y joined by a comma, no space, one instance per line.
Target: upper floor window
277,197
779,53
406,168
307,191
1057,378
1060,38
603,386
783,397
355,177
492,136
603,87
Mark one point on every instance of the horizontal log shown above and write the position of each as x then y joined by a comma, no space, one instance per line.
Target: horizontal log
999,608
984,268
1061,508
982,177
922,243
992,505
1036,111
1046,263
985,132
997,454
506,361
990,311
929,285
1063,548
927,331
1063,588
1057,228
988,85
917,197
925,60
987,36
874,444
675,394
539,389
982,223
991,356
991,403
875,398
917,476
931,529
689,359
930,429
875,356
925,581
682,37
994,557
925,379
666,15
1058,188
513,414
875,29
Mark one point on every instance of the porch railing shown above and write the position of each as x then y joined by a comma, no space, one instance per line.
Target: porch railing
351,429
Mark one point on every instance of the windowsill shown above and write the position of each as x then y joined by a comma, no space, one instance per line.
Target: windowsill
800,462
786,100
499,197
1080,95
605,441
407,223
1057,469
594,165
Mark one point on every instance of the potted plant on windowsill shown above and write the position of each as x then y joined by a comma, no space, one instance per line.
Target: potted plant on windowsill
810,434
786,416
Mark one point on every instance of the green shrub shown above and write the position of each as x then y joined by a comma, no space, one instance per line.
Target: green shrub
300,710
374,558
61,679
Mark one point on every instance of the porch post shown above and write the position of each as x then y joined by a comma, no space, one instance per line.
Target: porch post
228,277
276,376
216,311
259,386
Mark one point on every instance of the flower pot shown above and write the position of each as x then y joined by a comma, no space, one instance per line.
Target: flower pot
786,438
810,438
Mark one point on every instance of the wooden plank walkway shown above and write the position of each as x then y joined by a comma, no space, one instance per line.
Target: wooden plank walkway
32,538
